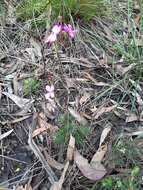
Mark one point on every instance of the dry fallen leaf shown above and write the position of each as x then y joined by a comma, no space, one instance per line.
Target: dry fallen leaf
71,147
25,109
96,83
105,132
132,117
137,19
53,163
44,126
4,135
99,155
70,152
93,172
58,185
123,70
138,99
20,102
37,46
26,187
77,116
38,131
135,133
15,120
84,98
102,110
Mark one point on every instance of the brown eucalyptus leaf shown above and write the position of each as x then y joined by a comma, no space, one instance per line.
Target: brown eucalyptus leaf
102,110
92,172
104,134
53,163
37,46
58,185
44,126
99,155
71,147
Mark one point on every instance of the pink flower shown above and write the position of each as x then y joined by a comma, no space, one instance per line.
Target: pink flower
69,29
51,38
50,95
57,29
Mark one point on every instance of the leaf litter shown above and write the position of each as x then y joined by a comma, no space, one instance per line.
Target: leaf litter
83,84
94,170
70,153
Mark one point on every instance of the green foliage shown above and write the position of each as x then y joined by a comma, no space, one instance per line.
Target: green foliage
37,10
29,9
69,126
130,45
107,182
31,85
84,9
34,11
125,154
131,181
2,9
141,23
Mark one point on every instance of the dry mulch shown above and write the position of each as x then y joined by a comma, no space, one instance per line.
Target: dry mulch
84,81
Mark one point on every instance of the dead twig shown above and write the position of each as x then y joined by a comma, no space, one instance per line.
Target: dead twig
35,149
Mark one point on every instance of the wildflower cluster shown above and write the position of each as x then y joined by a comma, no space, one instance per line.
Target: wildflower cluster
58,29
50,92
50,97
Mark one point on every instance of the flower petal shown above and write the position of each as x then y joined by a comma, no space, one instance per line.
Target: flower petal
70,27
48,88
52,88
52,95
65,28
47,96
51,38
56,29
70,30
71,34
